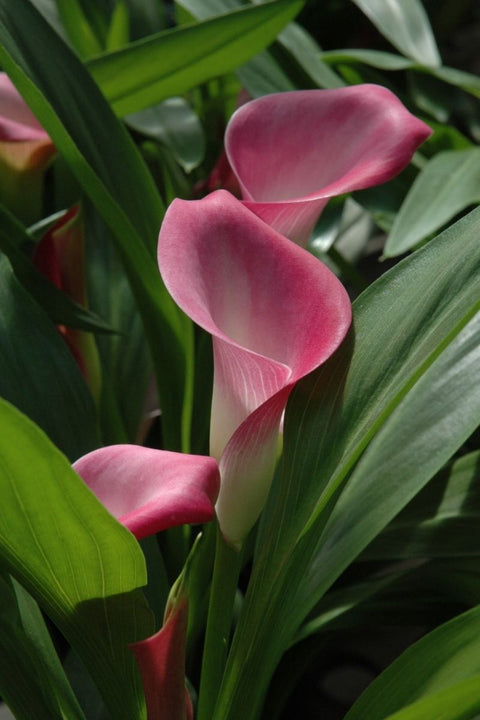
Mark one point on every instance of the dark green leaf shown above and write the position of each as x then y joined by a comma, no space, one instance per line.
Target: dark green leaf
442,667
32,680
38,373
99,151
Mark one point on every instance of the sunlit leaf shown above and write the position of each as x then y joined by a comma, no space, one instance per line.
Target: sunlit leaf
83,568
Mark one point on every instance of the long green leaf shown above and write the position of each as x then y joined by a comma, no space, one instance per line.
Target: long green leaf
448,183
80,564
441,521
271,70
32,679
405,24
99,151
168,64
38,373
447,656
385,413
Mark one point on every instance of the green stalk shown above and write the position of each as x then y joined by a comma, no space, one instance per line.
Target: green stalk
224,585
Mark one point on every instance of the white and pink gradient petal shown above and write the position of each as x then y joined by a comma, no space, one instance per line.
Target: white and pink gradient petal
293,151
150,490
275,313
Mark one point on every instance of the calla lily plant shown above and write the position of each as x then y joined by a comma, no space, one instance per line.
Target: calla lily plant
190,566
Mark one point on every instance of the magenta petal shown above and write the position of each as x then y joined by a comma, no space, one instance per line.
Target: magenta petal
17,122
161,659
293,151
275,313
150,490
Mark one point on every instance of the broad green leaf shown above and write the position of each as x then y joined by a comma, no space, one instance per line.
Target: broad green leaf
60,308
448,183
270,70
105,161
460,701
385,413
38,373
83,567
439,662
174,124
32,680
441,521
405,24
168,64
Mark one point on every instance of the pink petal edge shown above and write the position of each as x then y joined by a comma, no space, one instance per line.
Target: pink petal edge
293,151
150,490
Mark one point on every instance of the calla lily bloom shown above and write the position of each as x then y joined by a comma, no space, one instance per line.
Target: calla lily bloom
161,659
293,151
275,313
25,151
60,256
151,490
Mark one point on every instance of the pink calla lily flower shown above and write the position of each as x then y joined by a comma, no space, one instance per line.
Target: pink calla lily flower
293,151
151,490
25,151
275,313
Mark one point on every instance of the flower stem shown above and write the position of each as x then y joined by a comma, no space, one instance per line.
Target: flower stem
224,584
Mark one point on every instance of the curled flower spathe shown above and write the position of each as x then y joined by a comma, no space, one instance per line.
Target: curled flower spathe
293,151
275,313
151,490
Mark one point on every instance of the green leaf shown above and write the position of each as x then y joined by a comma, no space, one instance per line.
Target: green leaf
127,370
405,24
271,70
168,64
77,27
436,667
385,413
448,183
83,568
460,701
441,521
174,124
32,680
374,58
106,162
38,373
